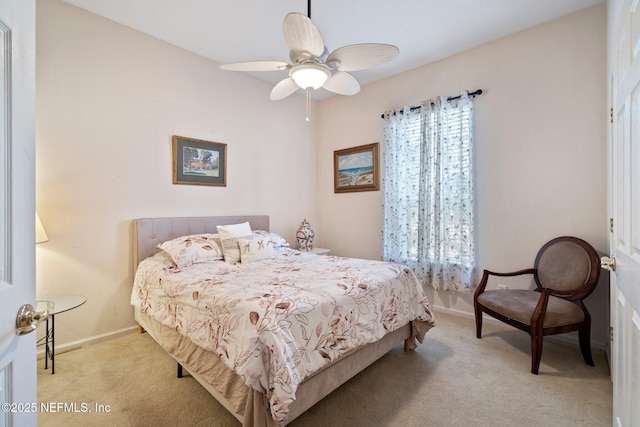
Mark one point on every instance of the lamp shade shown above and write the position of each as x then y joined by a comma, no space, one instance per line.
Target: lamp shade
41,235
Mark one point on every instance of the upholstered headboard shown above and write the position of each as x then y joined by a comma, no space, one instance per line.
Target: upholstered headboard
149,232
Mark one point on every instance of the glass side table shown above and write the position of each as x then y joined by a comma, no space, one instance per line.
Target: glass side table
55,304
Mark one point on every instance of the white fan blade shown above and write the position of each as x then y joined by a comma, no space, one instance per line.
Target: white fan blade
360,56
283,89
342,83
302,34
256,66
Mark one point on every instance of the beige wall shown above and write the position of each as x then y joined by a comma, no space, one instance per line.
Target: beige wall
540,135
108,101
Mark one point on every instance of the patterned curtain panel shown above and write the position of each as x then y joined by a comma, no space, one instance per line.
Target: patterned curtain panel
429,192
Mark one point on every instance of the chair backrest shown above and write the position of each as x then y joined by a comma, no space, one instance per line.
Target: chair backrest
568,263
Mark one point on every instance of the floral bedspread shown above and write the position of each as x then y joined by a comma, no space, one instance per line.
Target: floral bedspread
277,321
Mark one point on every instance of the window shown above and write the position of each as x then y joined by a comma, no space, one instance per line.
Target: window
428,192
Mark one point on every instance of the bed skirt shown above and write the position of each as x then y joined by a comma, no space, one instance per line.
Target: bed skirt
249,406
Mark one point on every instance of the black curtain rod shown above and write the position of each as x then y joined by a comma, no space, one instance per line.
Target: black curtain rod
451,98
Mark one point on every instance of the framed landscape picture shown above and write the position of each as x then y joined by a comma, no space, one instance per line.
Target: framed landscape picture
356,169
198,162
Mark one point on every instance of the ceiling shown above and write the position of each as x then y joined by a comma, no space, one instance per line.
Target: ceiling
246,30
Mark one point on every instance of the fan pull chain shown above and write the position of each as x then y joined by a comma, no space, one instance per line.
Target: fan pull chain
308,103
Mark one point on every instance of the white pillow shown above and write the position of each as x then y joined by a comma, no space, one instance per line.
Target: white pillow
277,240
229,235
193,249
255,249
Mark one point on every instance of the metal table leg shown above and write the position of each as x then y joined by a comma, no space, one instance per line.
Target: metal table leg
50,345
53,344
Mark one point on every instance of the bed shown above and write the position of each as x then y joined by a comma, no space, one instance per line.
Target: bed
270,338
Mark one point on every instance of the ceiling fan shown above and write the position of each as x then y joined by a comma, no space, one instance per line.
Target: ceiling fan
312,67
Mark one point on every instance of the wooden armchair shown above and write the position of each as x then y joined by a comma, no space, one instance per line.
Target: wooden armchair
566,271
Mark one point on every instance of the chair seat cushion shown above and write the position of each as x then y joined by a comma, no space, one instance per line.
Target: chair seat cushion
520,304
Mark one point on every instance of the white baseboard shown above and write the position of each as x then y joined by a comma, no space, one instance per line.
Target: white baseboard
455,312
74,345
565,338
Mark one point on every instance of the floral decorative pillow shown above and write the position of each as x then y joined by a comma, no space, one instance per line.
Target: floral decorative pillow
193,249
229,235
277,240
255,249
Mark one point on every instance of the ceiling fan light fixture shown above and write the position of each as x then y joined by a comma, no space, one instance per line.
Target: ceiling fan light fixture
311,66
310,75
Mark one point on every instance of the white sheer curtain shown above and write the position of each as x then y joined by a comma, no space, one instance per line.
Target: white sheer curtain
429,192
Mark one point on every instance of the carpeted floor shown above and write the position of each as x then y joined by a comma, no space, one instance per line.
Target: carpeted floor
453,379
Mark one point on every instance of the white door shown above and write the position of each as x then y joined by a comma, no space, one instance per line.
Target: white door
17,209
623,51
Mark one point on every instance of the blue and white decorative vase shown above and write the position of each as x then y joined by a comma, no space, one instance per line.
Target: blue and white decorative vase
304,236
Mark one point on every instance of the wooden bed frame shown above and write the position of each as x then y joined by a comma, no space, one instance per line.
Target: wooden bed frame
148,233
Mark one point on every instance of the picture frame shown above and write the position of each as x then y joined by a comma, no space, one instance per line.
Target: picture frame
356,169
199,162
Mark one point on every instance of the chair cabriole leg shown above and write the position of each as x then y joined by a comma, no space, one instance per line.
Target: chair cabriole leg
536,350
478,322
584,336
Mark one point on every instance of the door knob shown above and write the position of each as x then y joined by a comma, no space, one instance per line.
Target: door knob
28,319
608,263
